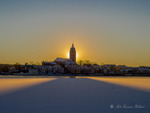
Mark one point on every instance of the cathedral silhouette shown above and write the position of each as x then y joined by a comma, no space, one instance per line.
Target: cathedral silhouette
64,61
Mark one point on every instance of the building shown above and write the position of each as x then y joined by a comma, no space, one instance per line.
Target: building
73,53
58,59
62,65
68,65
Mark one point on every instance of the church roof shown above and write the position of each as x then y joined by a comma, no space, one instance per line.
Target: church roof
58,59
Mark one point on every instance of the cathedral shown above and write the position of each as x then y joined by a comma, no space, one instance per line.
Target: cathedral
64,65
73,53
59,60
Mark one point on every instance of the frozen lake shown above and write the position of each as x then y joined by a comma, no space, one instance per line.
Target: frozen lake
75,95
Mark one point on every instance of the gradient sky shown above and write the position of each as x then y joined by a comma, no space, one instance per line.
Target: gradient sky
103,31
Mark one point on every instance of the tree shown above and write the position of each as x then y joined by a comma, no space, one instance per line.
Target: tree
81,62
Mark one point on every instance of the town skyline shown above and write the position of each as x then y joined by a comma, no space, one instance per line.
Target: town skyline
109,32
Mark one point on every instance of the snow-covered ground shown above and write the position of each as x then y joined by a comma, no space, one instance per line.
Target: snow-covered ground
14,84
74,95
141,83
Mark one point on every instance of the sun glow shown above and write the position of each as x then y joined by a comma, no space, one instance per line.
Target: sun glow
68,55
76,55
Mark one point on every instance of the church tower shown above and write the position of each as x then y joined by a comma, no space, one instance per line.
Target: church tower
73,53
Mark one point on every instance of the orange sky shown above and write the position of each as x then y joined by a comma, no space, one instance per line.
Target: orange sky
102,31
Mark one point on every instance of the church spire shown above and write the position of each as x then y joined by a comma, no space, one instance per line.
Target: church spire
73,53
72,45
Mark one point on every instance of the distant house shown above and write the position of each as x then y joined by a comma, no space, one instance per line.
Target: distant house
48,63
33,71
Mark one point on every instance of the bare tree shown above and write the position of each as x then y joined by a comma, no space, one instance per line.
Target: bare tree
81,62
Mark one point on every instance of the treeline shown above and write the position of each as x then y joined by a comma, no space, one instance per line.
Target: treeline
85,62
6,67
